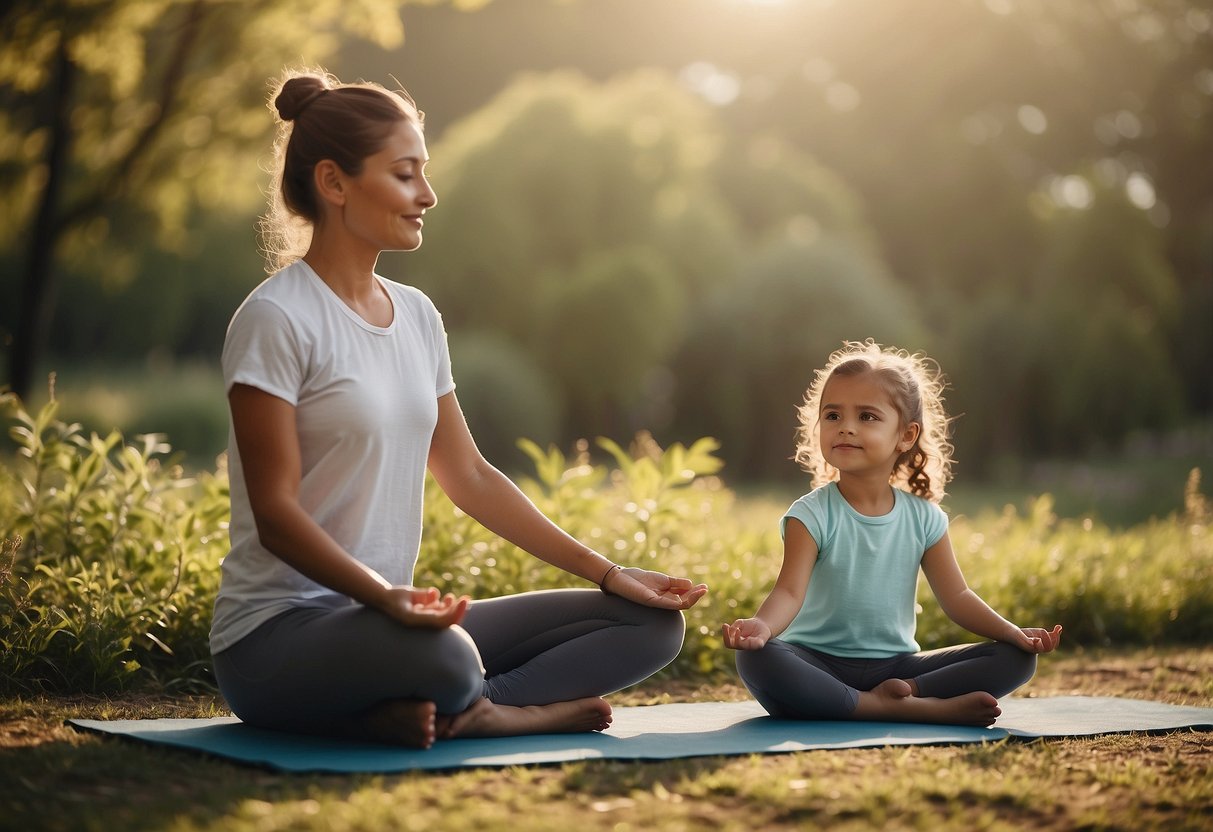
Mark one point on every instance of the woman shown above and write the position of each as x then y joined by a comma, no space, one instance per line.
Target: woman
341,395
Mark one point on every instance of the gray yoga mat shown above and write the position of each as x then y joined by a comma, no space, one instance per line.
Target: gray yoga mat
657,732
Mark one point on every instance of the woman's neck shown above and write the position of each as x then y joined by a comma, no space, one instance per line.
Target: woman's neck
351,276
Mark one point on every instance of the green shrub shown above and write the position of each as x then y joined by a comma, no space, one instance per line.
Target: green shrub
110,561
1147,585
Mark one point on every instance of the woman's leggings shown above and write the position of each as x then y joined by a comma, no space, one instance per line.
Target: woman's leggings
796,682
310,665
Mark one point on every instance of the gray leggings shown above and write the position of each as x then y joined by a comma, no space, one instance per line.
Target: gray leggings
313,664
796,682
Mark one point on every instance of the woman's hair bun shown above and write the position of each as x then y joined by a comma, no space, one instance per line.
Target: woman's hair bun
297,93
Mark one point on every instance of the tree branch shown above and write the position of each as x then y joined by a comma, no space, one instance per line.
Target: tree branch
180,54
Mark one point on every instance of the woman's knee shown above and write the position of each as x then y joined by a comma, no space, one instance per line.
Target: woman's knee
657,630
668,631
453,673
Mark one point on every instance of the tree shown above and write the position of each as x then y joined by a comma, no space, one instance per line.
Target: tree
143,108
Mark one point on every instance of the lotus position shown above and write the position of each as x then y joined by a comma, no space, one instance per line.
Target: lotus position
835,637
341,396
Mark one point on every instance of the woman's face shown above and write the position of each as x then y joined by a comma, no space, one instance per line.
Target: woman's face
386,201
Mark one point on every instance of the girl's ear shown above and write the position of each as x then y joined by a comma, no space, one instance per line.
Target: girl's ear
329,180
908,437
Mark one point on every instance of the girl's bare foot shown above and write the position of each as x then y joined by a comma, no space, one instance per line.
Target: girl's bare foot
892,701
408,722
487,719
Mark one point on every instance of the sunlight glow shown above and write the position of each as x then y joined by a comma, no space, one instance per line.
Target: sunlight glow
1032,119
711,83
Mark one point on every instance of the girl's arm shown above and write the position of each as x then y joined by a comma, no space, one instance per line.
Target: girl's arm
479,489
269,450
785,600
965,607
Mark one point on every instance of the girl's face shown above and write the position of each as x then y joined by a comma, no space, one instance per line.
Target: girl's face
860,430
385,202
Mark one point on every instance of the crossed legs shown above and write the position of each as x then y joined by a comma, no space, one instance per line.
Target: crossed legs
952,685
529,663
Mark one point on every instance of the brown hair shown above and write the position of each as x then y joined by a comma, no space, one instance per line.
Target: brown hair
915,387
321,118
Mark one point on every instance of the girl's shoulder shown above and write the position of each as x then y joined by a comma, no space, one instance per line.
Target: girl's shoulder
821,496
927,515
818,511
917,504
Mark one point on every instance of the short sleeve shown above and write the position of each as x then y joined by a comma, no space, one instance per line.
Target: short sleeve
444,381
935,525
262,350
808,511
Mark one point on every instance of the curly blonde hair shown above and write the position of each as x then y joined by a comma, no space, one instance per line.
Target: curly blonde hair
915,387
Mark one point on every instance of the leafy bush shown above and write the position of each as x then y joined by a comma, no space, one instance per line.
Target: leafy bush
109,563
1151,584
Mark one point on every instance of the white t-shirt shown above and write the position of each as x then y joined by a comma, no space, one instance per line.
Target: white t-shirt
366,403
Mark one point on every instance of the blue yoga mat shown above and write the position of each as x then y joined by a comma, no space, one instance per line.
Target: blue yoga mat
657,732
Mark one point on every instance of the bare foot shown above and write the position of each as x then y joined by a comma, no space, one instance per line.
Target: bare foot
487,719
892,701
407,722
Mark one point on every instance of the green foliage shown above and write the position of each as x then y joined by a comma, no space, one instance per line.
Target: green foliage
1150,585
753,348
109,563
504,394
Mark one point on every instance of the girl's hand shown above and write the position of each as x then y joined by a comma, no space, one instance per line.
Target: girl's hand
424,607
1037,640
746,634
653,589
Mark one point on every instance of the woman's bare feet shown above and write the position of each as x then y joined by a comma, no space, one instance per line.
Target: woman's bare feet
487,719
409,722
893,701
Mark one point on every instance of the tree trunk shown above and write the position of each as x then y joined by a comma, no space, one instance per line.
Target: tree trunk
38,287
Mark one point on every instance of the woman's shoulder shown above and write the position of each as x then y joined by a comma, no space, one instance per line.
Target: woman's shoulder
411,296
287,289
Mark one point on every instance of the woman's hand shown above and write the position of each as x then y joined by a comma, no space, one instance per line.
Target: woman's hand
1038,640
653,589
424,607
746,634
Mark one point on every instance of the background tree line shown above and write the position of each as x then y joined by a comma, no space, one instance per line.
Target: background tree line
663,216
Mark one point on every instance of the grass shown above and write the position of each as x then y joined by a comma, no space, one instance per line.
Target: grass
102,547
58,779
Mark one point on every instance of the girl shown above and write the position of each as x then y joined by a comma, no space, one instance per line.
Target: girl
873,433
340,390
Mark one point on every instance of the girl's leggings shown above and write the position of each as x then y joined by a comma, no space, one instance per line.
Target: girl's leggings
796,682
310,665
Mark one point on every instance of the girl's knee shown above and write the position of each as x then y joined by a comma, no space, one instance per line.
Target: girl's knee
752,666
1019,666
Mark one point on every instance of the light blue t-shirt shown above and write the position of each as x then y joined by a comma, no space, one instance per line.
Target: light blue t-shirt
861,597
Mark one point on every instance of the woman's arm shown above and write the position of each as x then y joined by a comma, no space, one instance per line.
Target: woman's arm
269,451
787,597
478,488
966,608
